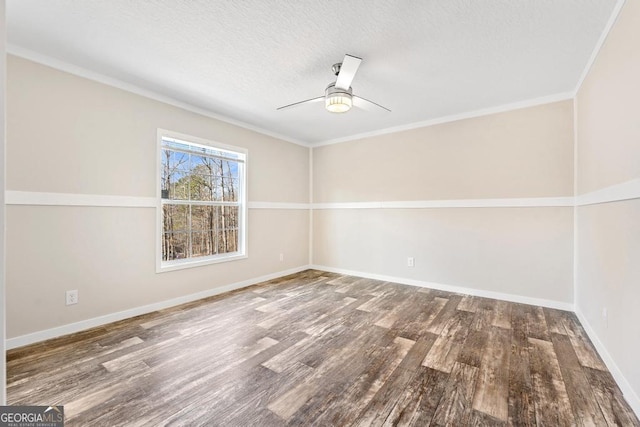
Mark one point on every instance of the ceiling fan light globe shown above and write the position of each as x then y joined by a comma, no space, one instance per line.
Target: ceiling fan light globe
337,100
338,103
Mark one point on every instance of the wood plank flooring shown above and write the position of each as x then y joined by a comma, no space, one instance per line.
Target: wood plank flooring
323,349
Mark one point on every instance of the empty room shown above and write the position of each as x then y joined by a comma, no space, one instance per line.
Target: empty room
328,213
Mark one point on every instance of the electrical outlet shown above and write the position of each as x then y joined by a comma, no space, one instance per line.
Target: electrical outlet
605,317
411,262
72,297
281,256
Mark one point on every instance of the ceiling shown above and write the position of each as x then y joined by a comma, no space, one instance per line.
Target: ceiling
423,59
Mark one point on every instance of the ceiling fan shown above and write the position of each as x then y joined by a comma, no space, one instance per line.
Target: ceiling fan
338,96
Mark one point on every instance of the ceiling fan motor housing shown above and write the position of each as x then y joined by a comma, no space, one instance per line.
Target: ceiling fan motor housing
332,90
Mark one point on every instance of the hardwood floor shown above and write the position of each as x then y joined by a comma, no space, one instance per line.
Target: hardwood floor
323,349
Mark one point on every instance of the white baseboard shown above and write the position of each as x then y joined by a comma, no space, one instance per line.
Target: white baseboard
629,393
451,288
132,312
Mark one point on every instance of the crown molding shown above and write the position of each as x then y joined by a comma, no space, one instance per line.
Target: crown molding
131,88
596,50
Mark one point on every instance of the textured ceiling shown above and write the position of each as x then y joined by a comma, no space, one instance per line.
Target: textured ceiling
423,59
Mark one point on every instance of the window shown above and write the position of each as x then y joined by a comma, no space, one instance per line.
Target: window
202,202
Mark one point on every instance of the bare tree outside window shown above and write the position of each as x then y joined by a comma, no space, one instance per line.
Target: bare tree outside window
201,209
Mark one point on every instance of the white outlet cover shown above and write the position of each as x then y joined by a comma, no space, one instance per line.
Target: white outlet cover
71,297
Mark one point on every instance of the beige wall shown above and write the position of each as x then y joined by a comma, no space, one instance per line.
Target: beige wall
520,153
608,104
608,277
522,252
67,134
63,128
108,254
608,252
516,251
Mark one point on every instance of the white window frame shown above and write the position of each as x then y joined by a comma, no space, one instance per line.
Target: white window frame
242,253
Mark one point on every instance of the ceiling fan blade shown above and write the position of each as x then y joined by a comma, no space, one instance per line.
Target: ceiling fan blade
295,104
365,104
348,71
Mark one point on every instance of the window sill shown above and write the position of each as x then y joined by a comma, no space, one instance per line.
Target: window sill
165,266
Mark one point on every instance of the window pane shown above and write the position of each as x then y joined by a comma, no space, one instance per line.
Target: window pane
231,213
233,167
227,228
174,171
174,160
229,180
202,243
175,246
227,240
202,218
175,218
202,187
231,190
227,190
203,237
198,163
217,193
179,186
